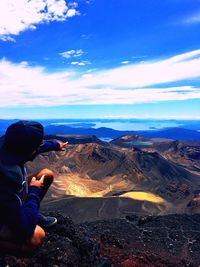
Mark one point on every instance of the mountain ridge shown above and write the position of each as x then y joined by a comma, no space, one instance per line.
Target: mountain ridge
104,132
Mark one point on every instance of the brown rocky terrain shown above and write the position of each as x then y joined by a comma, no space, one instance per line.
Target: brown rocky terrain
187,156
183,153
92,179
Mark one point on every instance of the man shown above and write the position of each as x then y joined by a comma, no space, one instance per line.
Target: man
21,225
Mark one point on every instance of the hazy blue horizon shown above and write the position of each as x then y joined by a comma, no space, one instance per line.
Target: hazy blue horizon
135,124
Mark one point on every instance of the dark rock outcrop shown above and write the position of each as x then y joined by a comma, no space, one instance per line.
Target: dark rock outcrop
66,245
172,240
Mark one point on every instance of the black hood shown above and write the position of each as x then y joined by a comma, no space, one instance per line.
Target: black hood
20,141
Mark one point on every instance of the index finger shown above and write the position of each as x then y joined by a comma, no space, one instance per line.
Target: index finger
65,143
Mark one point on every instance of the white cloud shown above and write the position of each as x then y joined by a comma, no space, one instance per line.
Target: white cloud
74,63
68,54
7,38
72,13
72,53
89,1
181,67
125,62
195,18
19,15
80,63
23,85
79,53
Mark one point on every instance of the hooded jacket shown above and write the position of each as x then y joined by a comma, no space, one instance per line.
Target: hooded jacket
19,215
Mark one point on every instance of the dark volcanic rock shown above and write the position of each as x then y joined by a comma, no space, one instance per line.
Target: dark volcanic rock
172,240
65,245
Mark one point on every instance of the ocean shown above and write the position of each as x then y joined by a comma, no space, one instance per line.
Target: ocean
119,124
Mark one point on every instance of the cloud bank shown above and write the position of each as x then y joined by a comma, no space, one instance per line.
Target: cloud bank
24,86
19,15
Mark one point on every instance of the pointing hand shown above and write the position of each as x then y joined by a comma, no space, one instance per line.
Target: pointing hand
63,146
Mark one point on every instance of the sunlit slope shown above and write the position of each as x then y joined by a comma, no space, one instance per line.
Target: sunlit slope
144,196
76,185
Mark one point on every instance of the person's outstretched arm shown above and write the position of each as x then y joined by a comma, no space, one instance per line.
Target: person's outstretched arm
51,145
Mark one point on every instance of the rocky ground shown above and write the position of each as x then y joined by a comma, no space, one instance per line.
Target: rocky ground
172,240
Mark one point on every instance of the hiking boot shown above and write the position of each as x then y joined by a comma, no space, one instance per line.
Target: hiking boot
46,221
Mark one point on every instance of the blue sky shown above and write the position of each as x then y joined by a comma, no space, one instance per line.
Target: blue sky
100,58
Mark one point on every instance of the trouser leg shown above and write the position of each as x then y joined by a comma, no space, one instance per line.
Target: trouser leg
44,221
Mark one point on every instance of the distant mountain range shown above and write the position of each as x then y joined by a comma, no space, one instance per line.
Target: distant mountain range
172,133
188,131
103,132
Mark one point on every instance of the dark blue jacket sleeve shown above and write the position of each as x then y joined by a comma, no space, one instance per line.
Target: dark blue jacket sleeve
49,145
21,219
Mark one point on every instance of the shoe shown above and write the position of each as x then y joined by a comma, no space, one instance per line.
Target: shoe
46,221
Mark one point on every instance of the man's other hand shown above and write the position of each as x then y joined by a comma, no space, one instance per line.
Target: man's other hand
38,182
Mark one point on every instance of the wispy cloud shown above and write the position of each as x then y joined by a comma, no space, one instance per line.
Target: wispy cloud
138,57
20,15
177,68
193,19
23,85
125,62
73,5
80,63
72,53
86,36
89,1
